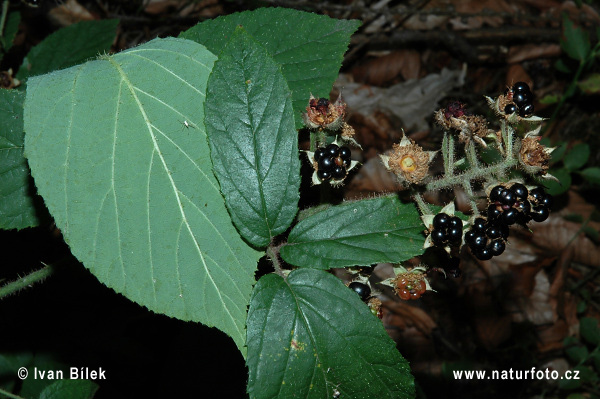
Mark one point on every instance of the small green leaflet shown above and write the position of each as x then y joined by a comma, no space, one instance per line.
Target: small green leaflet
118,151
309,47
310,336
253,142
357,233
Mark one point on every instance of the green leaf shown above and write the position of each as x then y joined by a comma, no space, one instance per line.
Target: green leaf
118,151
309,335
550,99
589,330
253,142
69,46
577,156
574,40
357,233
591,85
11,28
17,203
309,47
71,389
563,184
558,153
596,360
562,67
591,174
578,354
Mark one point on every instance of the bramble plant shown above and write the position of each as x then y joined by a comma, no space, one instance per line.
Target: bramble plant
172,167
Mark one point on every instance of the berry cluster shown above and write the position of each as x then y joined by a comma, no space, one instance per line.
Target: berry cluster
332,162
487,238
447,230
508,205
407,288
521,99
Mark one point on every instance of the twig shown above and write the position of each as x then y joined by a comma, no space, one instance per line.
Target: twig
27,281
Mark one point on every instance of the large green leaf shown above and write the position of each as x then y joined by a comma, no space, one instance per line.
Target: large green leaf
309,47
69,46
70,389
309,336
118,150
356,233
574,40
253,142
17,209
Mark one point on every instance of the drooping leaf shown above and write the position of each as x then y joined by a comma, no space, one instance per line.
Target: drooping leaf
18,203
118,151
69,46
589,329
254,145
356,233
11,28
574,40
310,336
71,389
590,85
309,47
591,174
577,156
560,186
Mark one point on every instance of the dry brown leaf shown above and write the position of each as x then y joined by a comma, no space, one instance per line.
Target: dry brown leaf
492,329
69,13
383,70
551,336
532,51
401,316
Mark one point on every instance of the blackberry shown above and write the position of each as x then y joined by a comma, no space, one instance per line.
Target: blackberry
332,150
522,98
484,253
479,224
494,231
345,152
493,212
507,197
524,207
520,87
539,213
475,240
319,153
526,110
510,109
446,230
326,163
339,172
509,216
495,193
520,191
323,175
497,247
440,221
363,290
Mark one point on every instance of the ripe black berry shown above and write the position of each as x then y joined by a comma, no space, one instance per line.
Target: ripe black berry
479,224
455,222
484,253
497,247
441,221
475,240
493,213
326,163
510,109
363,290
520,87
345,152
319,153
526,110
520,191
455,235
495,193
507,197
439,237
323,174
494,231
332,149
509,216
524,207
522,98
339,172
539,213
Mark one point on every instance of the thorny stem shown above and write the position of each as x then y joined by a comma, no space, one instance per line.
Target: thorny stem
27,281
472,155
423,207
273,254
472,174
471,195
448,153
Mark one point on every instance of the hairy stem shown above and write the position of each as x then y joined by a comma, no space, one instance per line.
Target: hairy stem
472,174
471,195
423,207
27,281
273,254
